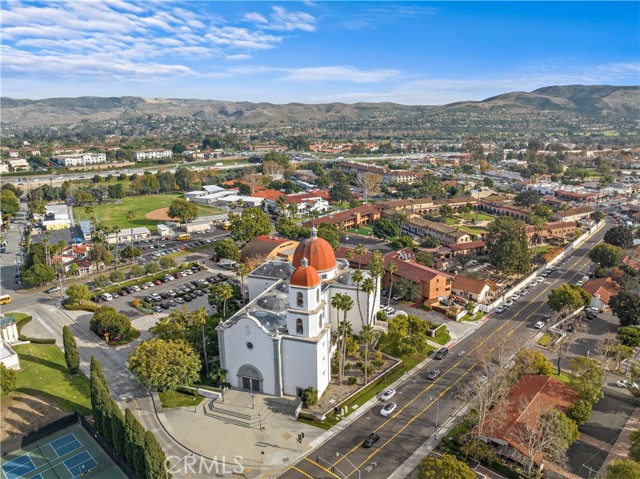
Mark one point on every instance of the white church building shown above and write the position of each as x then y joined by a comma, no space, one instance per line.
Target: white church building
284,340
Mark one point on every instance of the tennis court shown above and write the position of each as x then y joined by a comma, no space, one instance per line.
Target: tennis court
67,454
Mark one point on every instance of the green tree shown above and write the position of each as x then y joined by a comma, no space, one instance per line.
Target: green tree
165,365
366,337
100,282
597,216
77,293
446,466
167,262
116,276
99,254
136,271
107,320
330,234
343,302
606,255
71,354
131,216
151,267
309,396
154,457
629,336
508,245
404,241
117,429
9,203
219,294
587,379
385,229
39,274
251,223
8,379
340,191
530,361
626,306
618,469
565,428
183,209
580,411
528,198
99,393
288,228
620,236
407,289
226,249
392,267
445,211
634,445
131,252
134,443
568,297
37,207
425,259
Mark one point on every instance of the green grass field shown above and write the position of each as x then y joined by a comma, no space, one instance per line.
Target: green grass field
43,372
363,230
116,213
473,230
178,399
478,216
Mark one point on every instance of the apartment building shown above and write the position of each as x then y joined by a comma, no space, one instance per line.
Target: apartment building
444,233
151,154
80,159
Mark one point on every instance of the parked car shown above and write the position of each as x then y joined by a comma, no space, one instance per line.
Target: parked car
388,409
370,440
433,374
388,394
509,303
625,383
501,309
539,325
106,297
55,289
441,353
179,301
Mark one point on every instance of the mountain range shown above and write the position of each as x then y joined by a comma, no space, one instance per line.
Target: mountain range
613,105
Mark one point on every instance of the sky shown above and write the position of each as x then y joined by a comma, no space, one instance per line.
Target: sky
417,53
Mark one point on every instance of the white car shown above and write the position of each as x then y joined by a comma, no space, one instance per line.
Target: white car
501,309
580,283
539,325
625,383
388,394
509,303
388,409
515,297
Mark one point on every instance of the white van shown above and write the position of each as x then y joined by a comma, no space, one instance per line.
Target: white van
106,297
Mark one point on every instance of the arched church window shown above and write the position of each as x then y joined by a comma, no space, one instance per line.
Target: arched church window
299,326
299,299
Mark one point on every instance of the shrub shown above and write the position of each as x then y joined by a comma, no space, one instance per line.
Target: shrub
310,396
8,378
84,306
352,380
107,321
41,340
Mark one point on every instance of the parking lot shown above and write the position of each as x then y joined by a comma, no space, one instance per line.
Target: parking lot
189,288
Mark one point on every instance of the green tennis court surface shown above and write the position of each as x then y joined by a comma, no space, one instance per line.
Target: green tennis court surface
67,454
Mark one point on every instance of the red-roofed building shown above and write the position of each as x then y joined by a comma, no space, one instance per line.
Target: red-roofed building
305,203
601,290
561,230
478,290
511,423
351,218
577,197
271,195
269,247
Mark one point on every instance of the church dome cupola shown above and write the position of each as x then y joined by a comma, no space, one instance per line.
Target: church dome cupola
317,251
305,276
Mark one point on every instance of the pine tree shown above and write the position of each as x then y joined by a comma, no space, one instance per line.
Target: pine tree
71,354
134,432
154,456
96,390
117,430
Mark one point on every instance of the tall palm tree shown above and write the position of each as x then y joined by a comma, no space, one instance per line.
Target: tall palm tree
366,337
368,287
131,215
357,277
280,204
242,270
199,318
347,328
360,252
337,302
391,267
116,230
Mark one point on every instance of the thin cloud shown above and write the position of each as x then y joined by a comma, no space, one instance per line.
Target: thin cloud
282,19
341,74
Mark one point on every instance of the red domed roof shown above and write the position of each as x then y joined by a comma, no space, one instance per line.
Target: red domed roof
317,250
305,276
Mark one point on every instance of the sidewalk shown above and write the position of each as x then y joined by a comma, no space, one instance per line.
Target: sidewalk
620,448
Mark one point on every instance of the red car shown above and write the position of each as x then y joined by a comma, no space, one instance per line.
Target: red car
157,282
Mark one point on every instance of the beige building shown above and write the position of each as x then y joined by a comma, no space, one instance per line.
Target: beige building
444,233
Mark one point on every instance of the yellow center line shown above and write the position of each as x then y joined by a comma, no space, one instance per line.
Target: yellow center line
302,472
460,378
321,467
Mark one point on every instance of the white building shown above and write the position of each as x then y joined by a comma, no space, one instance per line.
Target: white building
281,342
204,197
126,233
151,154
80,159
8,335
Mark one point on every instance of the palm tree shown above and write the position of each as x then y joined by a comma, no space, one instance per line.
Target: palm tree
345,325
46,237
368,287
337,302
360,252
293,210
131,215
391,267
366,336
242,270
199,318
116,230
280,203
357,277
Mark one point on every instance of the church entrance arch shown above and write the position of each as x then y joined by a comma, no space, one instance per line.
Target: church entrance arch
250,378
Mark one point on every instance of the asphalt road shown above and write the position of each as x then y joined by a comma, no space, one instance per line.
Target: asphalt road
422,403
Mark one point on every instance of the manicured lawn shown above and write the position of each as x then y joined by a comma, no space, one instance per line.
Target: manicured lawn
442,339
474,216
116,213
43,372
564,376
363,230
544,249
473,230
178,399
132,336
545,340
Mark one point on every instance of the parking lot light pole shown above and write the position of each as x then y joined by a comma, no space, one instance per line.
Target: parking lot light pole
338,454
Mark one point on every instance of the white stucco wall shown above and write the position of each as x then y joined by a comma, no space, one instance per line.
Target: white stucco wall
354,315
305,364
237,354
257,286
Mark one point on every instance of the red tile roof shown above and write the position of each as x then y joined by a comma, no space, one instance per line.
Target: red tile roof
465,246
472,285
268,194
342,216
603,287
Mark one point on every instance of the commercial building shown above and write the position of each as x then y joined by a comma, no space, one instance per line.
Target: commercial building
80,159
142,155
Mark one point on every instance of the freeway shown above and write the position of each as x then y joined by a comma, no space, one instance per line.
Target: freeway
424,405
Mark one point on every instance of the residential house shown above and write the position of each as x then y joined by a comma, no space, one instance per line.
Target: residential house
433,283
574,214
444,233
511,423
601,291
478,290
18,164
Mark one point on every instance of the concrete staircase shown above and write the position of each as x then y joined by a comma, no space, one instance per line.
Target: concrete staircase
238,415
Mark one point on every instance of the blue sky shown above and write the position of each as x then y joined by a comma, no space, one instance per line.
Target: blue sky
314,52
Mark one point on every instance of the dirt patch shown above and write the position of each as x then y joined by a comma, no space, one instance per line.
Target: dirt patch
23,412
159,215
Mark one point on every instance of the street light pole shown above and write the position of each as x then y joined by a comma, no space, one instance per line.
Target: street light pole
338,454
